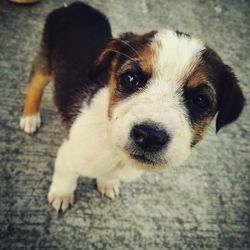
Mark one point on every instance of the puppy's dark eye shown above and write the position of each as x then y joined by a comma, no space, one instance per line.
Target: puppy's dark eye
132,80
200,101
129,80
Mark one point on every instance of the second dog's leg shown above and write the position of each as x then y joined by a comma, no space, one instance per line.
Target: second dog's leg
64,182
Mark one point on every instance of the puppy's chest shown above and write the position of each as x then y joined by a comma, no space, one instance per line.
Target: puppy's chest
89,142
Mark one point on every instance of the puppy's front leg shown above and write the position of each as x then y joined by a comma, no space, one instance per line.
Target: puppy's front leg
109,184
108,187
61,193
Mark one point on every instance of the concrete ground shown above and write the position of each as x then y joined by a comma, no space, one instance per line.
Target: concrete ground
201,205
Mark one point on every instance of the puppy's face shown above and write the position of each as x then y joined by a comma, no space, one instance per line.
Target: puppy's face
165,88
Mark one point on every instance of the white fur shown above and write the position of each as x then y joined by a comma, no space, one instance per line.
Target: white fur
175,55
108,188
90,152
30,123
96,145
161,102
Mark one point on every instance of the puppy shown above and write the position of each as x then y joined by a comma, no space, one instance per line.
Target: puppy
131,104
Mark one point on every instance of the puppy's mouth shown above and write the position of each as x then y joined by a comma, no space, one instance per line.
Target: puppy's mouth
142,159
147,160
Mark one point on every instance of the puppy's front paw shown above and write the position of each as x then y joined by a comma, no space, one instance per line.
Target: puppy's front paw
30,123
108,188
60,202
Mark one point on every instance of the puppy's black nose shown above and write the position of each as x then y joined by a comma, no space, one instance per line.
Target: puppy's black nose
149,138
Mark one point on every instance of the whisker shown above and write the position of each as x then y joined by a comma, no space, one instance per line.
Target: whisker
131,47
132,59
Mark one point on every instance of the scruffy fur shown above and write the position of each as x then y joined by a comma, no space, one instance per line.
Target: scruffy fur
131,104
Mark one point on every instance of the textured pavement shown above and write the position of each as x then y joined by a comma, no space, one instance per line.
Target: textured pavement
205,204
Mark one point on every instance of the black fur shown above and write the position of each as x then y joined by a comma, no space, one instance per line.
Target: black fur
180,33
73,38
230,99
196,114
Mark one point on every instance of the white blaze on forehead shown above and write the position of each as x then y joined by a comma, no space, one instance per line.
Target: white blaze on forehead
171,59
175,55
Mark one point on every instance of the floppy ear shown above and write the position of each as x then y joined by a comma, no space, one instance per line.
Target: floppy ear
121,46
230,100
100,68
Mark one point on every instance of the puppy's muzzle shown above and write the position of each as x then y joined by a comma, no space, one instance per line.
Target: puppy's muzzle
149,138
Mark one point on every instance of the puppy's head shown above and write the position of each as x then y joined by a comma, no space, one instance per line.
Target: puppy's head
165,88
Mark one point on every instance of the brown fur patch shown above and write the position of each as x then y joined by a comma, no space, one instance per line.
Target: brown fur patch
199,129
198,76
137,50
146,60
113,97
34,92
201,75
205,70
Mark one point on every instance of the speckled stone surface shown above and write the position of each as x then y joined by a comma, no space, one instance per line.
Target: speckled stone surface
201,205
